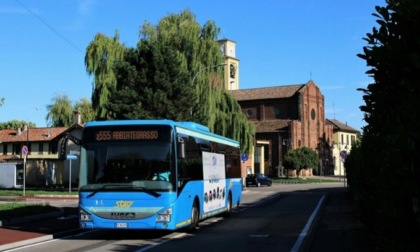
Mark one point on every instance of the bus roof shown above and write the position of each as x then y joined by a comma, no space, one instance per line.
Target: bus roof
190,128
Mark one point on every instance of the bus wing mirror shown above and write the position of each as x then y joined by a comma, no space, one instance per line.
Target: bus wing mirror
181,147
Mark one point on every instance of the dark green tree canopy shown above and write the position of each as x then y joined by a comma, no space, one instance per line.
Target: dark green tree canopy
301,158
384,171
173,73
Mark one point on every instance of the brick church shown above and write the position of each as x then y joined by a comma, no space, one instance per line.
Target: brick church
285,117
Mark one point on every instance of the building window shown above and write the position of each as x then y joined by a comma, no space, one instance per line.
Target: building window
16,149
40,148
313,114
232,71
4,149
249,113
277,112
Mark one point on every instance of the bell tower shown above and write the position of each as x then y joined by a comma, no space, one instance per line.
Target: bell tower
231,78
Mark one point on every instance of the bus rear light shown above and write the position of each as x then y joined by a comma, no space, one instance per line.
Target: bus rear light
164,216
84,216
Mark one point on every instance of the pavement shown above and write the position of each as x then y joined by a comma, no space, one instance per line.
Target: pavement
19,232
336,227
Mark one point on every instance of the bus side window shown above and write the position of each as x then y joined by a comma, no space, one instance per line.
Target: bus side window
191,167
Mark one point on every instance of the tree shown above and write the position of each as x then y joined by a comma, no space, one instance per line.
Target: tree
164,77
101,55
15,124
157,91
301,158
84,106
60,112
390,141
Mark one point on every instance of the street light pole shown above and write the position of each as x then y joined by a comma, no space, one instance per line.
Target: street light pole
25,162
205,68
200,71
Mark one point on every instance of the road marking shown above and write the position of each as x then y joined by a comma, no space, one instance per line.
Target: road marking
154,244
305,230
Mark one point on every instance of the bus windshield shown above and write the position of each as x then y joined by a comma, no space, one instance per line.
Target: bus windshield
127,159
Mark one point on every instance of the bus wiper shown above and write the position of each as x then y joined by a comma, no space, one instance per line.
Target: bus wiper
144,189
99,189
151,192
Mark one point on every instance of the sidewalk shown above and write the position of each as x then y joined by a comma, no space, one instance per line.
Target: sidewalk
338,226
42,227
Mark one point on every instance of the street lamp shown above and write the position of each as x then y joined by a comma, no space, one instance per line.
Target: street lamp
26,150
200,71
205,68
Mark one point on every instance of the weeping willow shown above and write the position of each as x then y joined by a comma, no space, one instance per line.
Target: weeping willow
101,55
198,51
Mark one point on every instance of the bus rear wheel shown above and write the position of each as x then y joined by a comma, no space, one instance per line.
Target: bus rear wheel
228,206
194,217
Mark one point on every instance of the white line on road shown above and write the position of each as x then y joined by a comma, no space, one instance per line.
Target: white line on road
304,232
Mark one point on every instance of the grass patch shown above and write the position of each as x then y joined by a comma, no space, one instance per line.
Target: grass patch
32,192
17,210
294,180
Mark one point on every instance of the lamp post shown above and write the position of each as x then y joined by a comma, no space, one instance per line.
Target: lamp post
205,68
25,152
200,71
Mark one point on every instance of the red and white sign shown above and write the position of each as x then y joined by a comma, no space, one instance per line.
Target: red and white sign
25,150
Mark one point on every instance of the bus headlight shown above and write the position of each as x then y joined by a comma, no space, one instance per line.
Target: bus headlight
84,216
164,216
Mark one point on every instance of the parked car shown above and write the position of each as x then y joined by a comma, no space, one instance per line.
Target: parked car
258,179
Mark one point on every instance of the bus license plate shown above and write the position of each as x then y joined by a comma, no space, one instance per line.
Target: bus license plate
122,224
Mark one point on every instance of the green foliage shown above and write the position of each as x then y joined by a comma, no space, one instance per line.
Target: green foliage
384,172
84,106
174,73
15,124
101,55
60,112
301,158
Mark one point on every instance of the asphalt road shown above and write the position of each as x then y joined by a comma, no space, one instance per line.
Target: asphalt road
269,219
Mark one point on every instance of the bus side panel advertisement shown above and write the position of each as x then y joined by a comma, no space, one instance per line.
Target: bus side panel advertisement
214,181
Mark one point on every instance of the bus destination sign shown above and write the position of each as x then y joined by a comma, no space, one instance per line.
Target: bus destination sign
109,135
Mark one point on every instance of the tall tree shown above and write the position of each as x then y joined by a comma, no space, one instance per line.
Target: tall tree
390,141
200,51
173,73
60,113
84,106
101,55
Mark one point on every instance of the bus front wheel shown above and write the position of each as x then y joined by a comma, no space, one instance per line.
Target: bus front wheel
194,217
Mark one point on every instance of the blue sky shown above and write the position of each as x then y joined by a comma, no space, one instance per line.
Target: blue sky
278,42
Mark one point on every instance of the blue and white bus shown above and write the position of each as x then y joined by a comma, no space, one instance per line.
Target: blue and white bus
155,174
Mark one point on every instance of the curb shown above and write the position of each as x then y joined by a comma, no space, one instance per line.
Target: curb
25,242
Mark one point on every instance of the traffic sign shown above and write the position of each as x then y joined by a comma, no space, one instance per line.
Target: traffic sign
244,157
343,154
25,150
71,157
